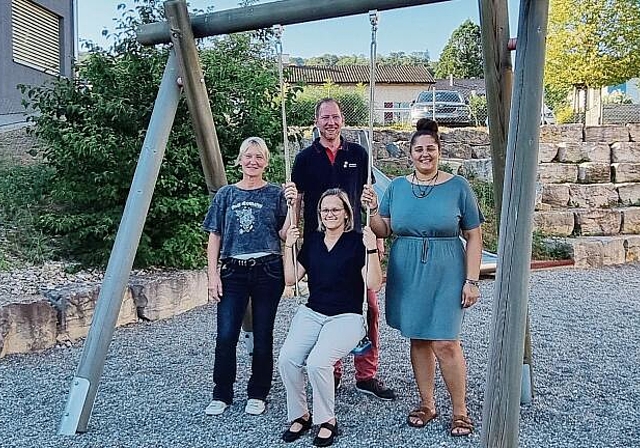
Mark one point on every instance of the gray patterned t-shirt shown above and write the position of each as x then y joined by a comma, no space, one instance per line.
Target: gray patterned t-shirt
247,221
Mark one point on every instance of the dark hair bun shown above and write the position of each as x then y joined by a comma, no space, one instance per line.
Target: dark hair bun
427,124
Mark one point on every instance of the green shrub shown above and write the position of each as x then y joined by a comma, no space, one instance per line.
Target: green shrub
478,105
545,248
23,190
484,193
95,129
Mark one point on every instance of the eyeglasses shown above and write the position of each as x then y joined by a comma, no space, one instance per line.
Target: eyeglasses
333,211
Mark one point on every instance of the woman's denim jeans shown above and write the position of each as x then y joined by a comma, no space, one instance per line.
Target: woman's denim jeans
264,283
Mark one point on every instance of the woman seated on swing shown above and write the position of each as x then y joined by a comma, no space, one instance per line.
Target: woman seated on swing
331,324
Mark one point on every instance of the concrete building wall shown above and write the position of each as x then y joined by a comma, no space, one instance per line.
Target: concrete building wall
398,96
15,73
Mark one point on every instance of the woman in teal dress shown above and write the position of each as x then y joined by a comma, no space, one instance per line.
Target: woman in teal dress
431,278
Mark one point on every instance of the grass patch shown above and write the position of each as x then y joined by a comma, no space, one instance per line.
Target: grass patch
484,193
23,192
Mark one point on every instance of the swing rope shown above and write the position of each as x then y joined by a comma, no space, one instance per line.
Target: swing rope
365,344
278,31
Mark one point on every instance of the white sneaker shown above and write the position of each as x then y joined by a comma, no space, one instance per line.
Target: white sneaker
216,407
255,406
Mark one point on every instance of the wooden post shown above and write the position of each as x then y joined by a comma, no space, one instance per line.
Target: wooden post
84,386
498,75
196,93
501,412
498,79
268,14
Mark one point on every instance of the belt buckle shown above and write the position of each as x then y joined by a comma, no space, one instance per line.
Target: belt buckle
251,262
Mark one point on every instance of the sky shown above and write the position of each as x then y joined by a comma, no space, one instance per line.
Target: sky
408,30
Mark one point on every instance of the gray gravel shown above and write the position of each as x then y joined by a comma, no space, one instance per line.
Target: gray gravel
157,380
29,283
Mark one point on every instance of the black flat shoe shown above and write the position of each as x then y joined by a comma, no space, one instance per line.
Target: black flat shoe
326,441
291,436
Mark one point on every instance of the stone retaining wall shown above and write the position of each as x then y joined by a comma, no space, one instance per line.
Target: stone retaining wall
64,315
591,191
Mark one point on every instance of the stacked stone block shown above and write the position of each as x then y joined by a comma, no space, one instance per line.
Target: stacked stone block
590,180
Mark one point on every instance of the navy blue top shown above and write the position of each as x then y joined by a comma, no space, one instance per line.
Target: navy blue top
248,221
335,276
313,173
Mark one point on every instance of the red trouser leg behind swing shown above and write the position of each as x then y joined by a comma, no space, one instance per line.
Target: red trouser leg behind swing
366,365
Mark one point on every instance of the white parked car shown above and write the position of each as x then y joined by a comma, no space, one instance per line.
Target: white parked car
546,116
450,108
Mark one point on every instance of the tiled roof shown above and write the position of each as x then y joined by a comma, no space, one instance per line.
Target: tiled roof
354,74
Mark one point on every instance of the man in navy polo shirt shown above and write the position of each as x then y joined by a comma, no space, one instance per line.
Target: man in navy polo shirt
331,162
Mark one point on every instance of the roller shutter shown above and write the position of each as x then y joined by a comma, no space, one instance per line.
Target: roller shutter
36,36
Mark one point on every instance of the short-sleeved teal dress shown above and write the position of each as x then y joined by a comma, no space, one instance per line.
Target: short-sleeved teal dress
426,269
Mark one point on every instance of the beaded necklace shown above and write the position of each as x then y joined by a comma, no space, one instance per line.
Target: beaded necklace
422,191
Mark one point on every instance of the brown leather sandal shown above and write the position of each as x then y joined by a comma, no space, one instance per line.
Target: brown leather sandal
461,425
423,414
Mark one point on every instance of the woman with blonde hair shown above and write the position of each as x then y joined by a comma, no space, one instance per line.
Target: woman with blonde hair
246,223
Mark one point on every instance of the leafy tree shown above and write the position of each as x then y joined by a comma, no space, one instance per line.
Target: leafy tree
478,106
393,58
592,43
353,60
325,59
617,97
296,60
95,126
462,55
401,58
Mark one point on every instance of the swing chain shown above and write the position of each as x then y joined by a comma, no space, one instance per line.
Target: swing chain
373,18
365,344
277,31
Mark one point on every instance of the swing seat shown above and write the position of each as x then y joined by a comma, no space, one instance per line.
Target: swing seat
363,347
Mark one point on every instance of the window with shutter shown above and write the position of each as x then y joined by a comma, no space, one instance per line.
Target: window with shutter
36,36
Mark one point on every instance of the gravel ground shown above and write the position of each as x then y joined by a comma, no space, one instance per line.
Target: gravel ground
157,380
32,282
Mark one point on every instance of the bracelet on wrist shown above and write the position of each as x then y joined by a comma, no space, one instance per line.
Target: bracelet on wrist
373,212
287,246
372,251
472,282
